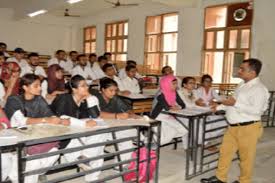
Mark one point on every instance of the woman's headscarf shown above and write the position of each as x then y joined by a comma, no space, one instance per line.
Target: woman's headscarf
7,69
53,82
166,89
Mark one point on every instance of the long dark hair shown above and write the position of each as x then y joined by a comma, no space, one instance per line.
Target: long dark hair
53,82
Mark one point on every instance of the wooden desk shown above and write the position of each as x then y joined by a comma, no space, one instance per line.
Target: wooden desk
140,103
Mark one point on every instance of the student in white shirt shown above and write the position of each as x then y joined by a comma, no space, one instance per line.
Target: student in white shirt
122,73
130,82
19,54
97,67
72,58
206,94
33,67
92,59
83,69
3,48
61,59
110,73
243,112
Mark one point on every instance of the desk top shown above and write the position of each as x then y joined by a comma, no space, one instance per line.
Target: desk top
190,112
135,97
39,131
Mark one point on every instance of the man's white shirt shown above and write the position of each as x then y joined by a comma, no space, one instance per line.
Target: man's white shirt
251,102
131,85
66,65
98,71
86,72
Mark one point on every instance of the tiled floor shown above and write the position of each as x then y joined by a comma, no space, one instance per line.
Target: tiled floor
172,164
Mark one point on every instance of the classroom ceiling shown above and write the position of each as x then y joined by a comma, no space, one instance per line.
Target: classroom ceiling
84,8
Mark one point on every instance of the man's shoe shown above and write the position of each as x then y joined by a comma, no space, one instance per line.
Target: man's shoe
213,179
236,181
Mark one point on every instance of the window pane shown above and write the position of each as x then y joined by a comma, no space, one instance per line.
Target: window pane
125,45
87,48
233,37
109,30
87,34
170,23
113,57
152,43
153,24
126,29
108,45
170,42
93,47
121,57
215,17
213,65
169,59
209,40
113,46
93,32
245,38
120,29
119,45
153,61
114,30
220,39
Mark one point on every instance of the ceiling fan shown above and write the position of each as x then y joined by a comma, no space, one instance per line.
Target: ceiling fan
67,14
118,4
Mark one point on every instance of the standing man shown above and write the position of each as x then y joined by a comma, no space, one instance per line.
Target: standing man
243,112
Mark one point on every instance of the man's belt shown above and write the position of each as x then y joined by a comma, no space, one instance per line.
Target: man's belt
244,123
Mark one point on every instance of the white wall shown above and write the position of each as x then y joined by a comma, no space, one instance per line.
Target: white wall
190,41
44,34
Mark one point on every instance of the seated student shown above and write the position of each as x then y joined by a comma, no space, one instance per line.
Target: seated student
108,56
188,95
72,60
83,69
18,57
205,93
80,104
97,67
167,70
31,108
56,82
122,72
92,59
187,92
34,67
11,77
3,48
61,59
130,82
113,107
110,73
168,99
7,158
2,60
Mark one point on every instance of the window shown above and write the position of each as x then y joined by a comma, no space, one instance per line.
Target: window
90,39
161,41
116,40
226,41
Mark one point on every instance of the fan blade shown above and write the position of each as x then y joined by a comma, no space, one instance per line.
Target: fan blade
110,2
74,16
134,4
